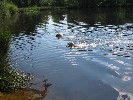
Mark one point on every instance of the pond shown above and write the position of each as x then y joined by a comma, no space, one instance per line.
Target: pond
97,67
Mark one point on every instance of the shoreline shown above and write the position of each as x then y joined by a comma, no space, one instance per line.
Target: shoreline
35,9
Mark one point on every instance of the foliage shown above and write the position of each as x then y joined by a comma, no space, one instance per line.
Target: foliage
77,3
30,10
47,2
11,8
10,79
7,8
5,37
68,3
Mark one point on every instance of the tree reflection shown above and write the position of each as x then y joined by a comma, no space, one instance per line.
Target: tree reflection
104,15
27,23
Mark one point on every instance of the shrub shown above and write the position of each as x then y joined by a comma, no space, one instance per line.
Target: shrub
5,37
7,8
12,9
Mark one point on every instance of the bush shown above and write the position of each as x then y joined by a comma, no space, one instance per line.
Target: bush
5,37
6,8
12,9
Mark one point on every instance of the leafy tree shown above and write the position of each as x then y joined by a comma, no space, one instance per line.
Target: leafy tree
71,3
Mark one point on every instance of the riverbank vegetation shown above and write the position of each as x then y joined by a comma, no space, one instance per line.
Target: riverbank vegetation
8,7
10,79
73,3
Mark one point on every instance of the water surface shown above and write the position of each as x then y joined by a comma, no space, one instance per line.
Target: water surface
102,70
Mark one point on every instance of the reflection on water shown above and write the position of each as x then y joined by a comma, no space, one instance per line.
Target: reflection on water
97,66
27,94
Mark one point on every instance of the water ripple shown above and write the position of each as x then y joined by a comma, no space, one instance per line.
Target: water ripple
102,51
